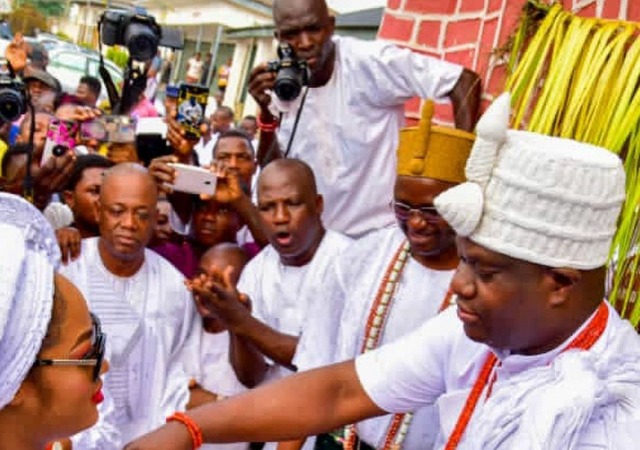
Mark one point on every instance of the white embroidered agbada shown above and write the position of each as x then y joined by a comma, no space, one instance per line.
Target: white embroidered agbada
283,295
148,318
418,297
438,363
348,128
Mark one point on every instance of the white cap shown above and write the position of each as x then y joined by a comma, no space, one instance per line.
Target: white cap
28,259
542,199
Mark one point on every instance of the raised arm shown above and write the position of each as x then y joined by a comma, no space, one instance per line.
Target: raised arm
465,98
304,404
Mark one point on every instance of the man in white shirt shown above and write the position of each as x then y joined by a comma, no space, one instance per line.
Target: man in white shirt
142,303
348,119
421,254
285,280
532,357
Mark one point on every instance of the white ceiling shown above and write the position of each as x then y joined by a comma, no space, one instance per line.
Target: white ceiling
341,6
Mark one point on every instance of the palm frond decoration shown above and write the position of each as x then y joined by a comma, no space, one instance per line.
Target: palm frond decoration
579,78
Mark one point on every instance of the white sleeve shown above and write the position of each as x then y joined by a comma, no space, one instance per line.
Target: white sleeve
390,75
178,225
104,435
410,373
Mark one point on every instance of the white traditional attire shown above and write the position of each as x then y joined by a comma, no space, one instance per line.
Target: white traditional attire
348,128
207,362
148,318
204,150
282,296
585,393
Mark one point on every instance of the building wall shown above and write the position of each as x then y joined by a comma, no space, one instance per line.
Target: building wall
467,31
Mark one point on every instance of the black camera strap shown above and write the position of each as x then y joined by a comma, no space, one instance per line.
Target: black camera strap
295,124
27,183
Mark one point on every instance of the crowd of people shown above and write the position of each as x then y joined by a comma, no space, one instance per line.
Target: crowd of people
351,284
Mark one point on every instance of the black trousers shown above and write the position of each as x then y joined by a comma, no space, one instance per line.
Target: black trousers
328,442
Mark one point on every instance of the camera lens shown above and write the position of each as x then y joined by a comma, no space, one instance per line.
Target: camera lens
11,105
288,84
59,150
141,42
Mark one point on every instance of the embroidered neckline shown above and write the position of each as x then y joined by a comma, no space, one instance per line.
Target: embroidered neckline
584,341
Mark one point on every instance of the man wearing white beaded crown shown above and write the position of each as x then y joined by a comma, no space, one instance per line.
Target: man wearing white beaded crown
533,357
392,281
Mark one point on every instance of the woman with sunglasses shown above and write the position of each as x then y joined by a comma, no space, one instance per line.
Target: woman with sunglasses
51,348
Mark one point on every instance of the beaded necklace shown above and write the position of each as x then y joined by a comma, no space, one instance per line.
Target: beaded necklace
376,322
583,341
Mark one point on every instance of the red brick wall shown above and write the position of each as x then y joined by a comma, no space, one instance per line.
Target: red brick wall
466,32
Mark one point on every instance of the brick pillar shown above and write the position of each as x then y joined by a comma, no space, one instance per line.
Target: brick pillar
467,32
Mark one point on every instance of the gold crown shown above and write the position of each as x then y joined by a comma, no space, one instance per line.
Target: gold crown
431,151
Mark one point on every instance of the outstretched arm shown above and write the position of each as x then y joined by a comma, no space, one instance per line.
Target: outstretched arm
304,404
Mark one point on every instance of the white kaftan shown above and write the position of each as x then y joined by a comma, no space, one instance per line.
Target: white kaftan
207,362
418,296
348,128
147,319
553,401
282,295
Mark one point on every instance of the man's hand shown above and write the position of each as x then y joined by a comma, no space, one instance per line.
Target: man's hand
260,81
162,172
77,113
52,177
228,189
217,297
173,435
69,240
182,146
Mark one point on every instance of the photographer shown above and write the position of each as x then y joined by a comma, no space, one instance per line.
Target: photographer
354,102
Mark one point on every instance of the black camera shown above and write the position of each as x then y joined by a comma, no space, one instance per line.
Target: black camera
292,73
13,95
137,31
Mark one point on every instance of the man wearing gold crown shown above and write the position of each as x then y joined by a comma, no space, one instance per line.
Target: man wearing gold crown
532,357
393,280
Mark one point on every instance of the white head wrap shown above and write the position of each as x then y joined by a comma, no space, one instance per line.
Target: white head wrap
28,257
542,199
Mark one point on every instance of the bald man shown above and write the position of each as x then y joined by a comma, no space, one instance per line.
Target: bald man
280,283
142,303
355,99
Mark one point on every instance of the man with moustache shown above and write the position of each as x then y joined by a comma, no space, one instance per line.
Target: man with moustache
142,303
284,280
345,125
532,357
393,280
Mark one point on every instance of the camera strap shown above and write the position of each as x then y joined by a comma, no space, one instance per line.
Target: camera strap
295,124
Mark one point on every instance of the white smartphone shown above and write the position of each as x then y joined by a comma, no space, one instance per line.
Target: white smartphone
193,180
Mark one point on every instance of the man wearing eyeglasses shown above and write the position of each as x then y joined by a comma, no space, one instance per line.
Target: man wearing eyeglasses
393,281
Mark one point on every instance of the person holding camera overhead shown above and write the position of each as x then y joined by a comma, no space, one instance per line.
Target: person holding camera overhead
345,123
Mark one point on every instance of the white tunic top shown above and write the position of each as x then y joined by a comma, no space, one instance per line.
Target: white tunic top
418,296
348,129
147,318
282,296
552,401
207,362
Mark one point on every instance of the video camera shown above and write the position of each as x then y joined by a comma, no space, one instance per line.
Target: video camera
13,94
141,34
292,73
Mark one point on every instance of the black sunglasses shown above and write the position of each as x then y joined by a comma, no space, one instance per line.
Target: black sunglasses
94,357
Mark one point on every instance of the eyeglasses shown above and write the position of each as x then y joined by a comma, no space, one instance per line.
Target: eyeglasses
403,212
94,357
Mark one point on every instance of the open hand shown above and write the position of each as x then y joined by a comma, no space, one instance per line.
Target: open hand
69,240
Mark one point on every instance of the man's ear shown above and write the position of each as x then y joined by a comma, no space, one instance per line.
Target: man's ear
332,24
68,198
561,282
320,204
